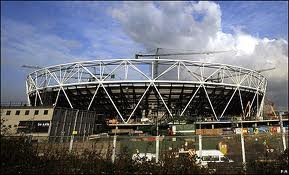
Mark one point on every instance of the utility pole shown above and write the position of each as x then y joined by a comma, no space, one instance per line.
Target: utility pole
200,141
243,146
114,142
72,134
114,146
282,131
157,141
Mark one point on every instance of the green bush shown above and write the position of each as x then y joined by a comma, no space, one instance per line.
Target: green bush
19,156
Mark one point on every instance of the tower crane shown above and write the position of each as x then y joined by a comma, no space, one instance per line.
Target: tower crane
179,53
157,56
264,70
31,66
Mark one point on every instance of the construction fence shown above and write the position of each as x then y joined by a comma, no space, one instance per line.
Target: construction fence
240,150
256,146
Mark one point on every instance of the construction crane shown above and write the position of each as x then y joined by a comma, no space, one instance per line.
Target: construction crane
263,70
180,53
157,56
31,67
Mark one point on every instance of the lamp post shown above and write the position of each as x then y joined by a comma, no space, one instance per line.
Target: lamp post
73,132
282,131
200,141
114,142
157,141
243,146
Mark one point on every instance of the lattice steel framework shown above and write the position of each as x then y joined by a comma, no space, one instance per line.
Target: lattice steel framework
128,88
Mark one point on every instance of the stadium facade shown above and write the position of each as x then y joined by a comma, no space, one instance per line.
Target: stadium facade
164,89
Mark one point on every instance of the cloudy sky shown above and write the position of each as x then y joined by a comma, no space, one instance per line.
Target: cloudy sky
47,33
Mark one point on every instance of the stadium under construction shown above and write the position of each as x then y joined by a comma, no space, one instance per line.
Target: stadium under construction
147,90
136,88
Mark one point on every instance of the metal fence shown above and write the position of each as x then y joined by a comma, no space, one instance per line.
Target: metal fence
261,147
256,146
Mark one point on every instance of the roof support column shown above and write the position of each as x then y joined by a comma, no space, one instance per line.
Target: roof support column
210,103
162,99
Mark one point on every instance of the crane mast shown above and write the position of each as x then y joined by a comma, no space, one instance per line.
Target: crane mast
157,56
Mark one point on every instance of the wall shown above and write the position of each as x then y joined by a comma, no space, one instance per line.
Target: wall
12,121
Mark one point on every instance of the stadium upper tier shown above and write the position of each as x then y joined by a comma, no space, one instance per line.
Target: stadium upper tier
164,88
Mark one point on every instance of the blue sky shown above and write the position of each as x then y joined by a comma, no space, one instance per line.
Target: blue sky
263,19
47,33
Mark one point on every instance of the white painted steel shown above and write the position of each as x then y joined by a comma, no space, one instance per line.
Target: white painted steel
100,73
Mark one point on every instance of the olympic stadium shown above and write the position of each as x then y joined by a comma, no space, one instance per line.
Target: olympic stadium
133,89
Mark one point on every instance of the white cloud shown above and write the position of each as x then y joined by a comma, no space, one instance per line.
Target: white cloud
165,26
197,26
245,44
